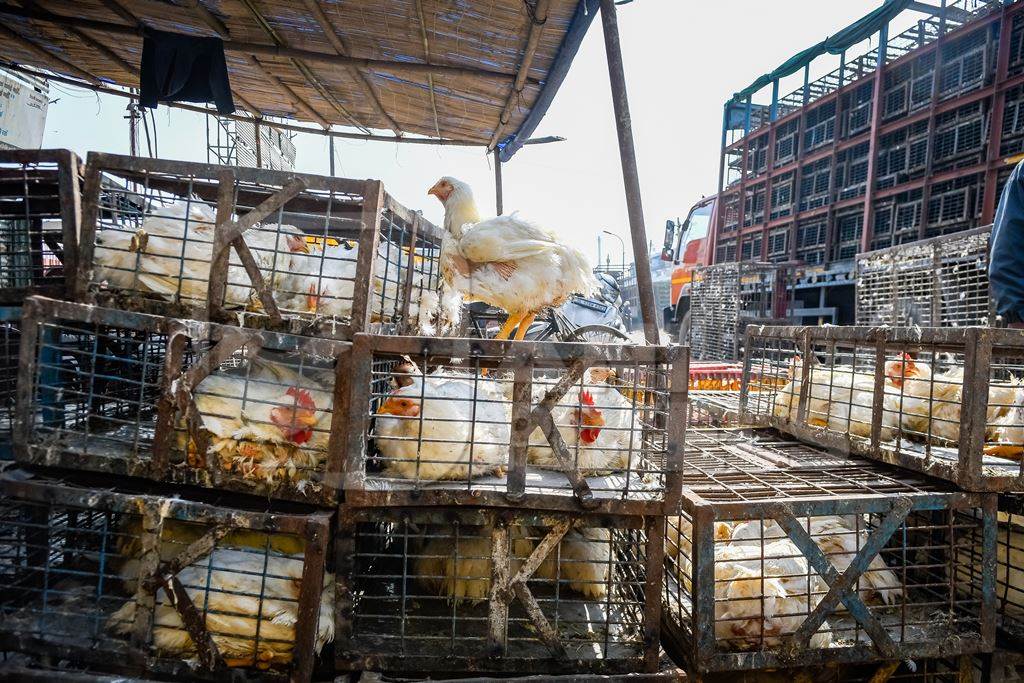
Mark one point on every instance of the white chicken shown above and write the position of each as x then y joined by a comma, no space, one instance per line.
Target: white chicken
600,427
272,424
506,261
170,255
249,603
461,569
1006,432
444,426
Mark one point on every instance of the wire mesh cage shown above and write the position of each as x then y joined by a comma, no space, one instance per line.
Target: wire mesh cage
10,341
180,401
140,583
782,566
478,589
293,252
40,211
724,298
1010,569
554,425
713,409
931,283
943,401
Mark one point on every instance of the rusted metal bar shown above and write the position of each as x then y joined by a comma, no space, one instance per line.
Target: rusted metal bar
334,471
702,580
263,291
357,410
194,623
541,552
216,286
974,411
410,269
499,191
307,620
149,561
497,622
533,611
522,428
201,547
370,218
630,174
654,574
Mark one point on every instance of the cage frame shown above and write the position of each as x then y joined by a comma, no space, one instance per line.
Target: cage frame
314,527
9,316
228,237
698,649
69,194
976,344
175,398
507,585
520,356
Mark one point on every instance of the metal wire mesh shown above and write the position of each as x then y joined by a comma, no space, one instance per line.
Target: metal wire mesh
10,341
938,400
35,202
153,236
725,298
432,415
741,584
431,591
1009,570
937,282
129,393
74,578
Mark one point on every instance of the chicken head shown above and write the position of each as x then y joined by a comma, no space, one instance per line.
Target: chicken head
296,421
589,417
400,405
900,370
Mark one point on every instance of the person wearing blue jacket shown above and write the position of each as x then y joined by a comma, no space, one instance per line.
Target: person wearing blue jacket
1006,251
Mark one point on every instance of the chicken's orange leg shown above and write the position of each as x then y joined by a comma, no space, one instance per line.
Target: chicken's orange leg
524,326
510,324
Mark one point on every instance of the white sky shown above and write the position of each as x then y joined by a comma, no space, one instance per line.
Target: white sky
683,59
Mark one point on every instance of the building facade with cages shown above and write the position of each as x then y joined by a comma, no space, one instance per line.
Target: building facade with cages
912,139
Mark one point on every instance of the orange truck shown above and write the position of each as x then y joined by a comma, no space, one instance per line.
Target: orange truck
687,246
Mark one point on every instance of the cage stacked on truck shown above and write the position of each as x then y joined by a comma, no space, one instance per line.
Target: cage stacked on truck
504,504
208,353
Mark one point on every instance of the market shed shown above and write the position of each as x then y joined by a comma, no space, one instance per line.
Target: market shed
476,72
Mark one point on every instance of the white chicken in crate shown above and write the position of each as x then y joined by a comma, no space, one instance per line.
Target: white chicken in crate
267,423
246,590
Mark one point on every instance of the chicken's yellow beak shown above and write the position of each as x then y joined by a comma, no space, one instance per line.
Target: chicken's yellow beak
399,406
441,190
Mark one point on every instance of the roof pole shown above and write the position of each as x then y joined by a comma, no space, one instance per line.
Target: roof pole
630,175
499,200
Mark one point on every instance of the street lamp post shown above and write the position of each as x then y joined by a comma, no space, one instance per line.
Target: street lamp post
622,244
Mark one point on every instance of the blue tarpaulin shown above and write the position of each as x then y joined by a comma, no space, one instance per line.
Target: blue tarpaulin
835,44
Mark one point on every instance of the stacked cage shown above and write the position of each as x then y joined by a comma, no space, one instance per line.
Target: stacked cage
40,212
723,300
936,401
183,420
503,505
936,282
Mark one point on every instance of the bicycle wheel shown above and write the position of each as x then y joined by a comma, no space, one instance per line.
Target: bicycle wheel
597,334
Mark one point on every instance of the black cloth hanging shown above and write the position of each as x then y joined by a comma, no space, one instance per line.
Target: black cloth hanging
180,68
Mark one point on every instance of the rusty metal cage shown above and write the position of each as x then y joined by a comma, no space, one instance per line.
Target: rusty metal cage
1010,568
946,402
40,214
724,298
479,589
938,282
146,583
777,566
293,252
484,422
10,341
180,401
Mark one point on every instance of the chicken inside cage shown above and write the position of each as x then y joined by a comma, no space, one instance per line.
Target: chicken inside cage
306,255
80,574
765,586
445,421
424,587
924,392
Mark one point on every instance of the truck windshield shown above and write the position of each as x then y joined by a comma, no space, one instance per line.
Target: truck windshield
695,227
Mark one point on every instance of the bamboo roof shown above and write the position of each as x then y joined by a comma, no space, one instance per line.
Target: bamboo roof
481,71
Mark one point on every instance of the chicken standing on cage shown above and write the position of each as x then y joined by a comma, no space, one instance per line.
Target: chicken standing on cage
248,598
445,425
171,254
268,423
506,261
459,568
600,427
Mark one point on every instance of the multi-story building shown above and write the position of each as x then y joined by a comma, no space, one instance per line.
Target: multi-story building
912,139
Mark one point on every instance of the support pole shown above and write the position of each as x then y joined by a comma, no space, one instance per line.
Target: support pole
330,154
630,175
499,199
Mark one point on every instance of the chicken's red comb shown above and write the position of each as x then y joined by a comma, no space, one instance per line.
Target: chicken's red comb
302,398
906,357
586,398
